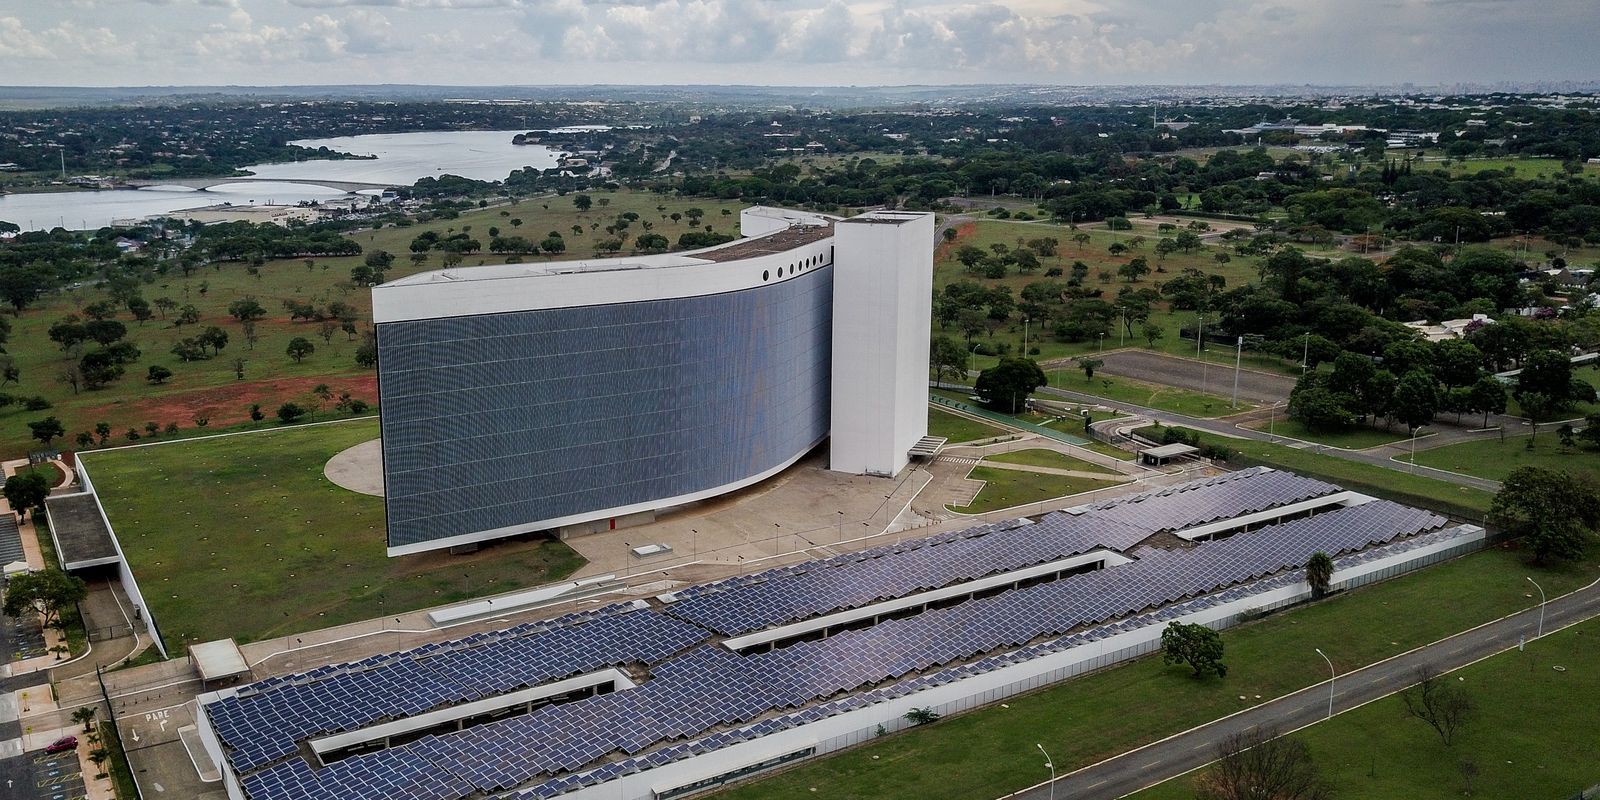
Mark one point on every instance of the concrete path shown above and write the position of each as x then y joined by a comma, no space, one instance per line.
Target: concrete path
358,468
1176,755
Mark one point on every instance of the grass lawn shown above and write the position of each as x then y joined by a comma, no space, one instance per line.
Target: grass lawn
1107,450
1490,458
1354,475
989,752
1359,437
1006,488
957,428
1036,457
51,472
243,536
1528,738
1165,398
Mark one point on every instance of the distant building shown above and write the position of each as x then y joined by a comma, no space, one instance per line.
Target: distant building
1450,328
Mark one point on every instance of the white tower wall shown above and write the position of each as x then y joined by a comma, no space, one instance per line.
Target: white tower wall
882,289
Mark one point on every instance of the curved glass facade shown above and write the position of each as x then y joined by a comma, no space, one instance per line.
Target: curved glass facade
499,422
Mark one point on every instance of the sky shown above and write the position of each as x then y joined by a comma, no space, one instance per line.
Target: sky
790,42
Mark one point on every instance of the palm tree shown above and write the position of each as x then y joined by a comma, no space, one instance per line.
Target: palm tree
1319,572
84,715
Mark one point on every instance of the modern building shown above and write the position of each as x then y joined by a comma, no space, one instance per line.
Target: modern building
584,395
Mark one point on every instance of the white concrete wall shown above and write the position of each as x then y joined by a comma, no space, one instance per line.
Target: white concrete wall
882,285
762,220
130,584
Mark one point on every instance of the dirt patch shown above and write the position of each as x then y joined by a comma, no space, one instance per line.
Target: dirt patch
230,403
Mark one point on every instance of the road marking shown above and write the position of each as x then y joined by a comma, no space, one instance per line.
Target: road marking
1151,764
1098,782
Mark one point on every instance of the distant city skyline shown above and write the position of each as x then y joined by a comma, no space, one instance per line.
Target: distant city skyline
788,42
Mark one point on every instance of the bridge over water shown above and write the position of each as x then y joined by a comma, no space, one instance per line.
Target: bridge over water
203,184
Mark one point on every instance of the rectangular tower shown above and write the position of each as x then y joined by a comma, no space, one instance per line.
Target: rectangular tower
882,306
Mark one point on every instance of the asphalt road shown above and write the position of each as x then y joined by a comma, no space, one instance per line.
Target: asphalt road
1169,758
1224,428
1200,376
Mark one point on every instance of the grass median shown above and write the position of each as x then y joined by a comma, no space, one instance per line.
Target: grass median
1525,738
990,752
1009,488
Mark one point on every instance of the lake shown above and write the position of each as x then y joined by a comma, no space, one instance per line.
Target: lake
401,159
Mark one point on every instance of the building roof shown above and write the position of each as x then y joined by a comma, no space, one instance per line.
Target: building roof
1171,451
218,660
80,532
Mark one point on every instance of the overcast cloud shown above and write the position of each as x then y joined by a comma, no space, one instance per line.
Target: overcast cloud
788,42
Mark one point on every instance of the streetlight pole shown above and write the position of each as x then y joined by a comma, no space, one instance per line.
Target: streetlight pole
1414,447
1305,355
1024,336
1331,676
1238,355
1541,606
1051,765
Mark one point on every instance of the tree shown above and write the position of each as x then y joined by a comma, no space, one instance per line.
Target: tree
47,429
289,412
1082,239
103,431
582,202
1088,365
157,374
946,355
1444,704
26,491
20,286
45,593
255,413
1556,512
68,332
245,308
1259,765
1196,645
1488,396
299,348
1416,399
214,338
1007,384
1153,333
84,715
1538,406
1136,268
105,331
140,309
1546,372
1188,241
1319,573
188,315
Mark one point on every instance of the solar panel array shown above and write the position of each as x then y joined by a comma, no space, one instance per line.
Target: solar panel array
263,723
788,594
710,687
1223,497
784,721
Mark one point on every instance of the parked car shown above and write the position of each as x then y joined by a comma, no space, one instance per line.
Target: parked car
65,744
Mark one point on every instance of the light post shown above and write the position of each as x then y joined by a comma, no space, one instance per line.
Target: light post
1414,447
1331,676
1050,764
1238,354
1541,606
695,541
970,354
841,526
1305,354
1102,341
1024,336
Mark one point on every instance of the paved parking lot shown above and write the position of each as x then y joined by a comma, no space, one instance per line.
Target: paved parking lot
22,638
1184,373
55,777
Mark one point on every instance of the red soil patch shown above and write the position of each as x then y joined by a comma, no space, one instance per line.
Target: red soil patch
229,404
963,231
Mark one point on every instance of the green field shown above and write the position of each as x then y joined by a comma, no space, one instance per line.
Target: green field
211,389
1008,488
1493,459
243,536
986,753
1165,398
1355,475
1528,738
1037,457
957,428
1359,437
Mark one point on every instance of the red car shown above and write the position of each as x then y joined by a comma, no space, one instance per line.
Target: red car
65,744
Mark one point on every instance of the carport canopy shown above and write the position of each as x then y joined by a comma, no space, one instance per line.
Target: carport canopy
218,660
